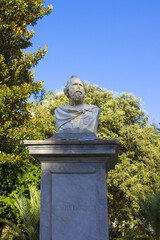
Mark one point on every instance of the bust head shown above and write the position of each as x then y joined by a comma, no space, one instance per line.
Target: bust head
75,90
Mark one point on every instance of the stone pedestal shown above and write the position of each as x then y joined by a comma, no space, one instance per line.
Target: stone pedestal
73,187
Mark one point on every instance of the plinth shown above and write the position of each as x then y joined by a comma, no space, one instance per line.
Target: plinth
73,186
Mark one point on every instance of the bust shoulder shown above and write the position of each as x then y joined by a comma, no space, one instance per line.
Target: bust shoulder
69,107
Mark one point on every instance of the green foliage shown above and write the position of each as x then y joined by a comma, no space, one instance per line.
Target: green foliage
121,117
17,168
44,111
16,74
149,214
16,172
140,237
29,211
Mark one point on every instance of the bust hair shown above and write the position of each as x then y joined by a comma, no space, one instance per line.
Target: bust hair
68,84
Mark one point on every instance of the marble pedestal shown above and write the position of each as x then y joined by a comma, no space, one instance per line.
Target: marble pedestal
73,187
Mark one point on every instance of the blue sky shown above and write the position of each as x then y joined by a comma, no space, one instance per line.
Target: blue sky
111,43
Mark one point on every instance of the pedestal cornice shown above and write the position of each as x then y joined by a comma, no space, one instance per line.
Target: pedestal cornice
60,150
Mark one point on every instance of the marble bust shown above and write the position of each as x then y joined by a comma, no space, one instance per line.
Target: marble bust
77,117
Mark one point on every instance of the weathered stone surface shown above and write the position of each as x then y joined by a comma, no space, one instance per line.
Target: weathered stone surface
73,186
56,150
77,117
73,180
74,206
74,203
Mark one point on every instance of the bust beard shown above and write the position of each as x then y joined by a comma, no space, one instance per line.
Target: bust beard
76,97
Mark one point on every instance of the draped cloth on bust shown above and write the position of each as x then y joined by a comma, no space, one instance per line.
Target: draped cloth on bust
76,119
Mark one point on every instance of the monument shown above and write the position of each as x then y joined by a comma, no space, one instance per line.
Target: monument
78,117
73,178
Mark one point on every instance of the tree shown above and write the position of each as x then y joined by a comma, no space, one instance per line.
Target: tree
16,74
17,168
149,214
29,211
121,117
44,111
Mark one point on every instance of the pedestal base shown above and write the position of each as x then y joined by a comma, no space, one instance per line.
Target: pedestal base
73,201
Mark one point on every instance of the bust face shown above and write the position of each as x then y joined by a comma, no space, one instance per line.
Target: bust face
76,90
76,86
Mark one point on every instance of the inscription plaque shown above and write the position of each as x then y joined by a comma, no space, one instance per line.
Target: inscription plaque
73,206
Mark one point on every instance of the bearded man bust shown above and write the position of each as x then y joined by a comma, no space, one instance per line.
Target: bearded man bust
77,117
